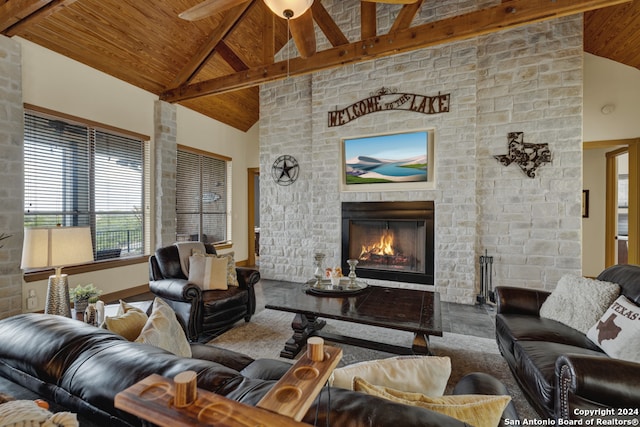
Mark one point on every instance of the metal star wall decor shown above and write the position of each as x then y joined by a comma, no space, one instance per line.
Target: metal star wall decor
528,156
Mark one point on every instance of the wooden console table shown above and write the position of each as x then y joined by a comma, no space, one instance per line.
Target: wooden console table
152,399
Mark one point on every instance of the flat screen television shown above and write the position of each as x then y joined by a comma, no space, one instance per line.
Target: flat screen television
391,158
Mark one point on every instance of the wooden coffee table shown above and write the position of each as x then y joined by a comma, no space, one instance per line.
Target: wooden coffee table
401,309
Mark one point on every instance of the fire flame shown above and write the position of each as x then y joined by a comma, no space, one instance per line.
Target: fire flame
383,247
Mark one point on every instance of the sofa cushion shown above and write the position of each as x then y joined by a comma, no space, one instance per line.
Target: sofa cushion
519,327
618,330
478,410
425,374
579,302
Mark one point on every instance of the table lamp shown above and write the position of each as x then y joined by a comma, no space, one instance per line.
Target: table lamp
56,247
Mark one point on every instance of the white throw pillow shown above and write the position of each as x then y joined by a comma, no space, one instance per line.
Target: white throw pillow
163,330
420,374
579,302
208,272
617,333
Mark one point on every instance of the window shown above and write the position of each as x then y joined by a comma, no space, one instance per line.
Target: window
81,175
203,197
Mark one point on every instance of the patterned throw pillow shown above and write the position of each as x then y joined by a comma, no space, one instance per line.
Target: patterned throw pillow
163,330
578,301
617,332
475,409
424,374
232,277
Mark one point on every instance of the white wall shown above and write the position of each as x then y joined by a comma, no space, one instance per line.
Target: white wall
609,82
605,82
58,83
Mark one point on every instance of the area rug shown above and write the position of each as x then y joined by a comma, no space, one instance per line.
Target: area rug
268,330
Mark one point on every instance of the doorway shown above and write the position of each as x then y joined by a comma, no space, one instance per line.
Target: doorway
253,181
622,245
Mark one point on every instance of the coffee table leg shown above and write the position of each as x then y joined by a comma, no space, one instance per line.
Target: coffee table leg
421,345
303,327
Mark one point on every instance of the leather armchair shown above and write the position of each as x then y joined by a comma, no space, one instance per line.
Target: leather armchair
202,313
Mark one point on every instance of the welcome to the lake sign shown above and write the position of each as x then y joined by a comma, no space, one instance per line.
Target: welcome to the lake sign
389,99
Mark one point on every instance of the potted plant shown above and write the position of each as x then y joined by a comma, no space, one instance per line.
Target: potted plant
80,296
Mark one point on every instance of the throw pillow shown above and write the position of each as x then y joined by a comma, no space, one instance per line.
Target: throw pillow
128,322
477,410
232,277
579,302
163,330
208,272
424,374
617,332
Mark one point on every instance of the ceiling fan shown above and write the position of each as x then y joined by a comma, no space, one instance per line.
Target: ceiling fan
297,13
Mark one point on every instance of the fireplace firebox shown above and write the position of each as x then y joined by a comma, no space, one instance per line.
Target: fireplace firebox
391,240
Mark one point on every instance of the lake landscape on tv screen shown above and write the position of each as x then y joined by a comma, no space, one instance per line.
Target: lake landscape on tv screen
396,158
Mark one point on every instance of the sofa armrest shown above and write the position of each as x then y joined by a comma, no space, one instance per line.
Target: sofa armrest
519,300
247,277
603,380
176,290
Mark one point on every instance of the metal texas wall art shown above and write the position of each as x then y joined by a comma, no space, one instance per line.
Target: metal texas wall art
387,99
528,156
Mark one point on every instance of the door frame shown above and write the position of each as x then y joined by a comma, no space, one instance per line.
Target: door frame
251,190
632,146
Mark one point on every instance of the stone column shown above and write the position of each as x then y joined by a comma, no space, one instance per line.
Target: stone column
165,157
11,176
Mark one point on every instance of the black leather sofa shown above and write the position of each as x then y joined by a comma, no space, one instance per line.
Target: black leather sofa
82,368
202,313
559,369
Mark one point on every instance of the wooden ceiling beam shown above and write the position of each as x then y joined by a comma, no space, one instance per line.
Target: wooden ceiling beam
515,13
406,15
16,15
368,20
14,11
328,26
229,22
231,57
269,37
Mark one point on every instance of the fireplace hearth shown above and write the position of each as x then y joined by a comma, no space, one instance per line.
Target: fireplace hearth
391,240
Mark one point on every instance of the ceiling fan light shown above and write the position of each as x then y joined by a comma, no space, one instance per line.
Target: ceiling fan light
290,9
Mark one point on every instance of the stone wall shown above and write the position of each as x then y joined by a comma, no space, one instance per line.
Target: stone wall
165,161
11,176
527,79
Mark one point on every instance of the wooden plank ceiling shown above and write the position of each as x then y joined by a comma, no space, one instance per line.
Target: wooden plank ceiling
215,65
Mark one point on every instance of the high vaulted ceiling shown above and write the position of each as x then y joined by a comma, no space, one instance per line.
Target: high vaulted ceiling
215,65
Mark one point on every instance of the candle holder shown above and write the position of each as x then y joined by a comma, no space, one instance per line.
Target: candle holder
318,273
352,272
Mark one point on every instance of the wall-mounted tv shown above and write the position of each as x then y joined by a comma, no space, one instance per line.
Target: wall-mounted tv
392,158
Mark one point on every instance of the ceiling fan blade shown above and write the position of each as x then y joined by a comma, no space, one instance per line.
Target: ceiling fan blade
304,34
393,1
208,8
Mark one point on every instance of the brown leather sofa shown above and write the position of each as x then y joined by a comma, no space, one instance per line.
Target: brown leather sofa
559,369
81,368
202,313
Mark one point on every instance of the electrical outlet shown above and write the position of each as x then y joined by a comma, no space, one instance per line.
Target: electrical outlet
32,300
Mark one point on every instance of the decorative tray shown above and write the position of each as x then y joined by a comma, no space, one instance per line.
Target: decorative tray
326,288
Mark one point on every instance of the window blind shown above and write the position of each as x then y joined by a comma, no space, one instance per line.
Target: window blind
76,175
202,198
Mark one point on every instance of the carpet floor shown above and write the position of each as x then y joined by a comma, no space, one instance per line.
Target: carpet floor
268,330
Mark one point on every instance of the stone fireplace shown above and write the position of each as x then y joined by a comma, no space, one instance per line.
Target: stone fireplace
527,79
391,240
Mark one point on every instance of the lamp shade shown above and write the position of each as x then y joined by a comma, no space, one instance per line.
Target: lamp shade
289,9
56,247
